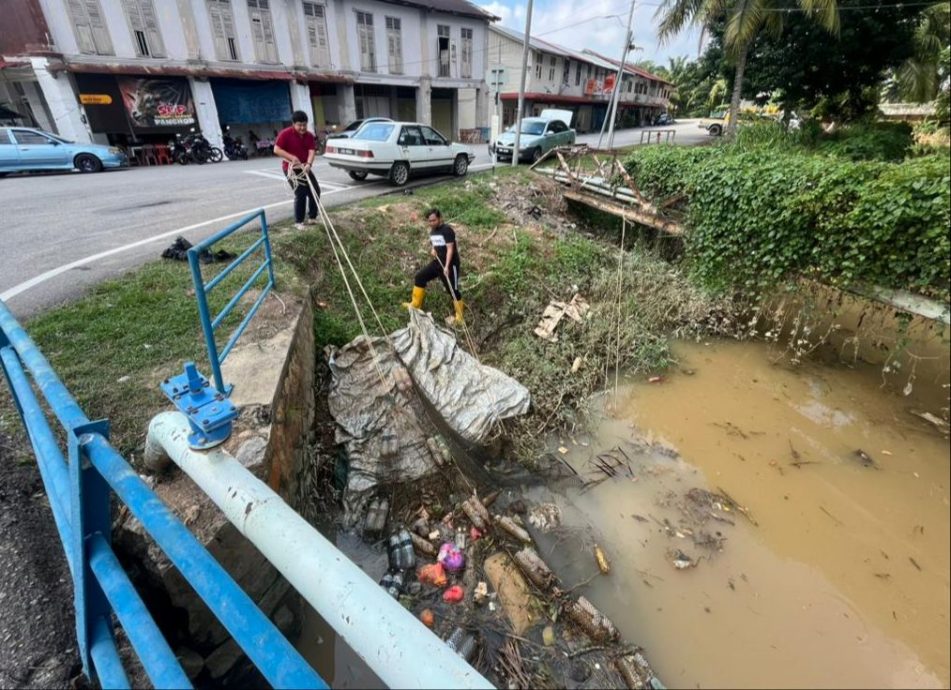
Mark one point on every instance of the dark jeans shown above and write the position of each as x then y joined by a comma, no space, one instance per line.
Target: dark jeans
433,270
303,198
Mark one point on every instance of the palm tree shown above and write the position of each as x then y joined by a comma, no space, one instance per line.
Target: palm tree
918,78
744,20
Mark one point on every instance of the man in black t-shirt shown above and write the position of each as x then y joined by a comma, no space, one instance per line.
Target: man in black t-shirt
445,265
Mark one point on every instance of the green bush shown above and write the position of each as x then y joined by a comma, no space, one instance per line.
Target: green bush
756,218
872,141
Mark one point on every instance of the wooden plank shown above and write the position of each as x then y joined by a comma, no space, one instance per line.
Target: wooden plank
631,214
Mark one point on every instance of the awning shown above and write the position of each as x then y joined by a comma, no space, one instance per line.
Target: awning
554,98
203,71
243,102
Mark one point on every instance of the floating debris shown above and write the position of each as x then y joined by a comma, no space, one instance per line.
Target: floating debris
602,560
545,516
680,560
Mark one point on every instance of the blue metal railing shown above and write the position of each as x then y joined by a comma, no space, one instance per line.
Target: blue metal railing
79,487
208,323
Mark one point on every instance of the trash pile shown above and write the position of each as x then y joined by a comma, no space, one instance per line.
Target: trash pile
539,202
475,577
409,410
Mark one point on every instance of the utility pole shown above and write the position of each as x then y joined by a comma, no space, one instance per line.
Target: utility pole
618,82
521,87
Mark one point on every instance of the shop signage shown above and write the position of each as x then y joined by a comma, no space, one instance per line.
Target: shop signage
95,99
157,103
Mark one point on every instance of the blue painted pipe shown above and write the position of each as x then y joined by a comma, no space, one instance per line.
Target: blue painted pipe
233,265
205,318
49,458
233,302
156,656
244,322
221,234
270,651
105,657
63,404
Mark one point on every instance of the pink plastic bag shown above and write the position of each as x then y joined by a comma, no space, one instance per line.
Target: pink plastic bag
451,557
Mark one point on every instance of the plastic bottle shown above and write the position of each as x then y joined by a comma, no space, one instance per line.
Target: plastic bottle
406,551
462,643
393,584
393,551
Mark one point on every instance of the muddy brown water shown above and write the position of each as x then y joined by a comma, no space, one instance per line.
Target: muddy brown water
844,580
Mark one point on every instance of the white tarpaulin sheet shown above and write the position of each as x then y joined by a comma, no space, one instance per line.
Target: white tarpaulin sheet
472,398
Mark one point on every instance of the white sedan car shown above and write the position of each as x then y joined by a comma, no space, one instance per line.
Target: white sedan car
397,150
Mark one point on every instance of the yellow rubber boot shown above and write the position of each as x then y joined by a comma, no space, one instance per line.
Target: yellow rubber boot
460,310
419,294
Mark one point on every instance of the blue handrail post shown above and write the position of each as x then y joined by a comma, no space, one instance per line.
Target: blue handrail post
89,494
267,248
205,317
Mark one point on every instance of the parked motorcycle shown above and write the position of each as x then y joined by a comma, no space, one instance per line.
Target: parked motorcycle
200,150
234,149
178,151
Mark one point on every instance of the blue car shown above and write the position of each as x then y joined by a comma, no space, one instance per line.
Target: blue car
23,149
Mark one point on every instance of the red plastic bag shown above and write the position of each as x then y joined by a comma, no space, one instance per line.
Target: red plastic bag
453,595
433,574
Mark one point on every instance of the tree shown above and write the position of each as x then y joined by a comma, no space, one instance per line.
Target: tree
919,78
744,20
842,75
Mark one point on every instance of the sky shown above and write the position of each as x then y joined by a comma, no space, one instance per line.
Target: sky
564,22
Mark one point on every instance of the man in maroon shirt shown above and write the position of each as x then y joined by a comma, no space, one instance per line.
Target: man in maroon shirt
298,147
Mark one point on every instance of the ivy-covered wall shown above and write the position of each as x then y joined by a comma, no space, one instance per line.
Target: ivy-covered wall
758,216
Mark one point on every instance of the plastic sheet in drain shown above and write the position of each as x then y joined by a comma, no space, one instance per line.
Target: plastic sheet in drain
374,409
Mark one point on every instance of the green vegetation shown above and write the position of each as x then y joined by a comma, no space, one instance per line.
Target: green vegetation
766,210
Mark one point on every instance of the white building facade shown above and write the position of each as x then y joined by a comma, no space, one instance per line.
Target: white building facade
562,78
122,71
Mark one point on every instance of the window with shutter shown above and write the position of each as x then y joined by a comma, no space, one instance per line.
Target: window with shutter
394,44
262,31
365,38
465,69
92,36
442,49
144,25
222,28
316,26
551,68
100,35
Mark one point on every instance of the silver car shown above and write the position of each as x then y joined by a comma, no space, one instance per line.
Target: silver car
539,136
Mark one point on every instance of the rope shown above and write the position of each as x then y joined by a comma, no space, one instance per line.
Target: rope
465,327
295,177
299,176
620,279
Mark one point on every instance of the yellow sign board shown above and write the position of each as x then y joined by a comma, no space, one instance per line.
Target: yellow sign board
95,99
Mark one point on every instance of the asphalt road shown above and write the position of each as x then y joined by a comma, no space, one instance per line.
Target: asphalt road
62,233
